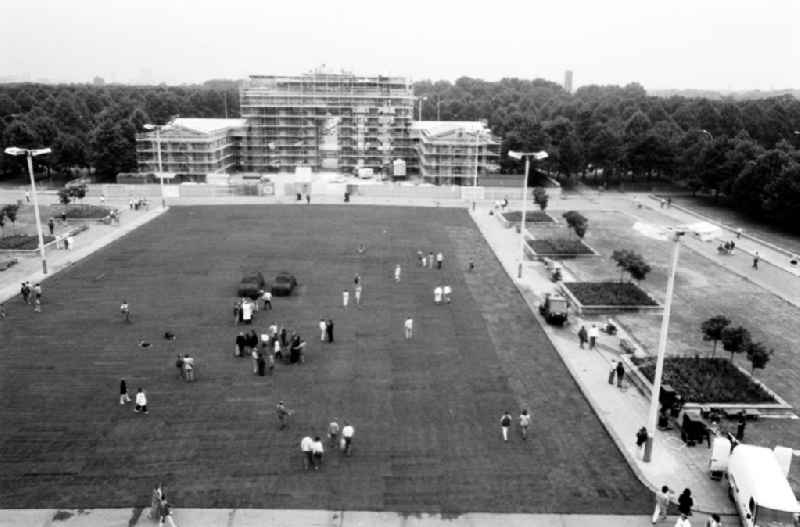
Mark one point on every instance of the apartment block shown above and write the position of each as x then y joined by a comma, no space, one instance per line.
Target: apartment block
326,121
455,152
192,146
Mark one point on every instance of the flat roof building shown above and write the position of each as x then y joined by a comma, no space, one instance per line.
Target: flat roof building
328,121
455,152
192,146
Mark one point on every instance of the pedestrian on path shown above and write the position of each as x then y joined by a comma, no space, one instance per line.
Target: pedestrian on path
125,311
141,402
37,305
756,258
345,298
51,224
283,415
347,436
27,196
594,332
641,437
165,512
329,329
740,426
333,433
612,372
123,392
316,452
583,336
155,502
685,502
683,521
524,423
663,500
738,233
505,425
305,447
409,328
620,374
308,199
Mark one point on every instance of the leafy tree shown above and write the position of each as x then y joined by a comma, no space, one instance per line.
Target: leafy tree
577,222
735,339
78,192
540,197
758,355
712,330
64,196
10,212
631,263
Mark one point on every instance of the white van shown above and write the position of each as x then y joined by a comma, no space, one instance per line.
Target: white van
760,489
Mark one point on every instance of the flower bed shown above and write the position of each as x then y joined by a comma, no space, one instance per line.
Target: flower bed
707,380
6,264
85,211
562,247
609,294
22,242
531,216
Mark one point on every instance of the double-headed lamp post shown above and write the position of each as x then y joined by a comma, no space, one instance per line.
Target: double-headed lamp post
652,418
30,154
157,128
538,156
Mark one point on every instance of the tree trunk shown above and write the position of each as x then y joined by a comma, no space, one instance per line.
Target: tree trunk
714,349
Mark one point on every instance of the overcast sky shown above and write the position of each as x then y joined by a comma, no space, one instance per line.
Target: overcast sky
706,44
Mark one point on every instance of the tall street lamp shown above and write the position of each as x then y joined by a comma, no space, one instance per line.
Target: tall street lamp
30,154
157,128
652,419
421,100
538,156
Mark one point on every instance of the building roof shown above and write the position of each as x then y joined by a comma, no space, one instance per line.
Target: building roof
207,126
444,127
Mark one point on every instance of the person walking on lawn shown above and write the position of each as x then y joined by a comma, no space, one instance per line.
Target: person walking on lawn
125,311
316,452
439,260
358,294
266,296
323,330
141,402
583,336
505,425
123,392
663,500
345,298
409,328
397,272
333,433
430,259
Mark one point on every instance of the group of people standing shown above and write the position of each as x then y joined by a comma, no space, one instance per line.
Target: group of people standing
32,294
313,449
428,261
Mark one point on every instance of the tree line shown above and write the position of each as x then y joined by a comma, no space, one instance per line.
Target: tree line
743,150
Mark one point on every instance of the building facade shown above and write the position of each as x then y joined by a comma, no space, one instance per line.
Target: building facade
455,152
192,146
326,121
568,81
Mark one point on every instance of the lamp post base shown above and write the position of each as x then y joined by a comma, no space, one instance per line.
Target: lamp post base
648,450
519,271
44,266
163,203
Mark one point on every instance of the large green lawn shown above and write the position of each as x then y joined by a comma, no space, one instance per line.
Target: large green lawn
426,411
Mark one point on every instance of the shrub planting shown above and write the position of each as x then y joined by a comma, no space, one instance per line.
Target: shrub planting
609,294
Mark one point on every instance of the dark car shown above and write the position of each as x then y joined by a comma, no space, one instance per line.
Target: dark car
284,284
251,285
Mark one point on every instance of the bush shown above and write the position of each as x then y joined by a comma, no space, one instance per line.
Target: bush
708,380
609,294
540,197
531,216
577,222
631,263
22,242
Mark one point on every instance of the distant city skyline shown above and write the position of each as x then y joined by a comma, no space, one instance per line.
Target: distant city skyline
716,45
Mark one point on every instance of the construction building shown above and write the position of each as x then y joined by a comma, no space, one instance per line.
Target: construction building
568,81
326,121
192,147
455,152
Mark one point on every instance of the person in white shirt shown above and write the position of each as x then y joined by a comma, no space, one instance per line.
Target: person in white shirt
247,312
524,423
409,327
316,452
125,311
267,298
322,329
594,332
273,330
345,298
439,260
437,294
447,292
347,434
683,521
397,273
141,402
305,446
505,425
